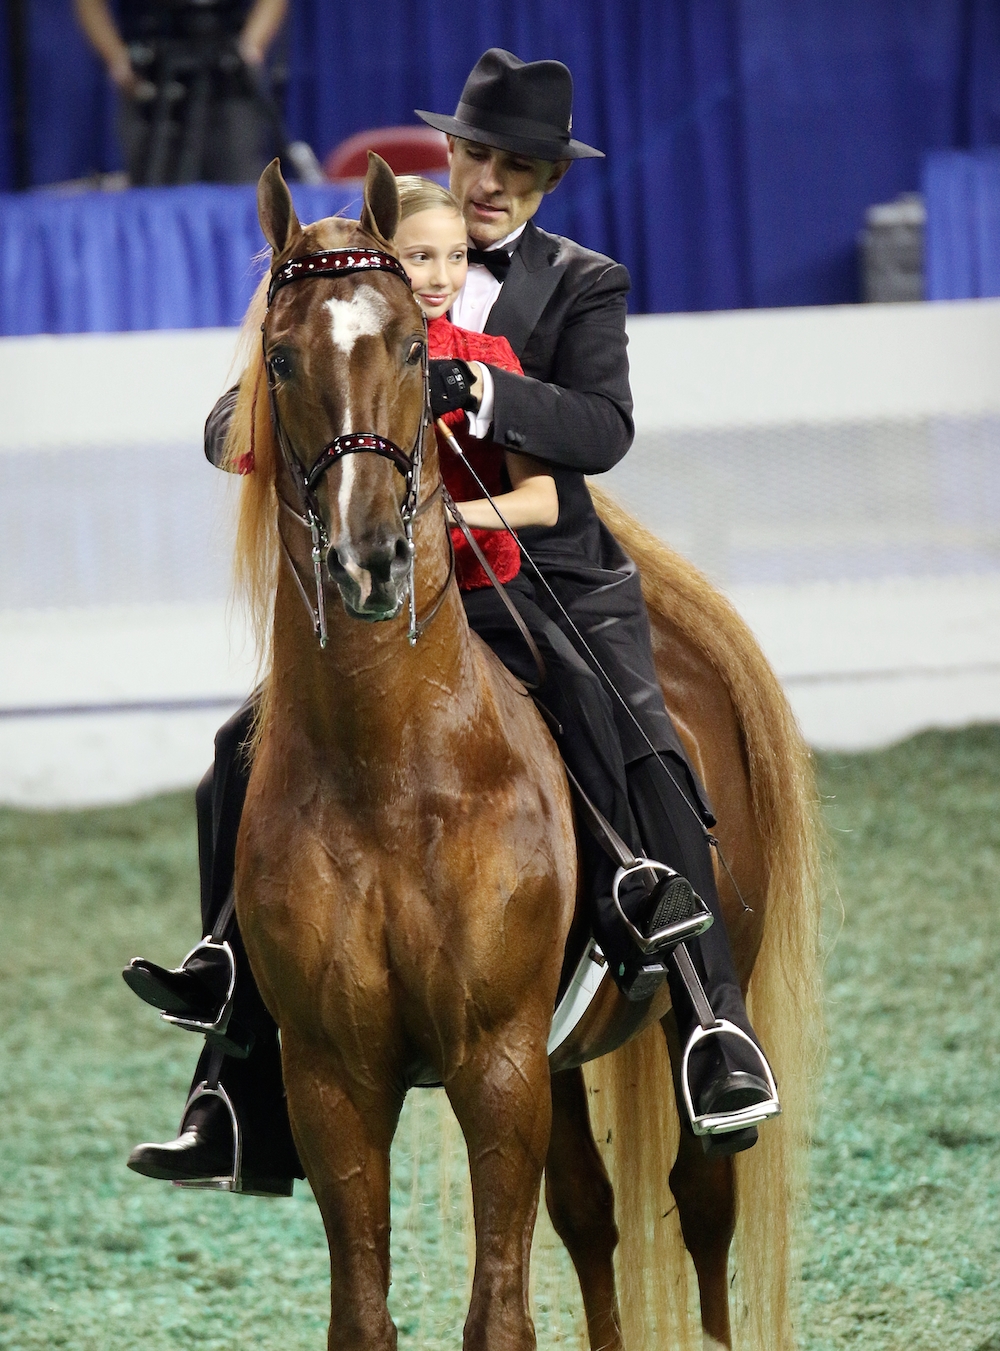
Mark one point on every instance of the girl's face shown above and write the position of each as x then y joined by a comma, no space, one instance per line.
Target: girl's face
432,248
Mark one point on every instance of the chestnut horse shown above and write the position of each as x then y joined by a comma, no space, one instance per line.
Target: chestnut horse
406,874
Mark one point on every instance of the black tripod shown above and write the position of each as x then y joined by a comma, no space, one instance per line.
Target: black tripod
206,117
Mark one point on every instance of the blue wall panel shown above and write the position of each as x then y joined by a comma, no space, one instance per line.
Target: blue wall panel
745,138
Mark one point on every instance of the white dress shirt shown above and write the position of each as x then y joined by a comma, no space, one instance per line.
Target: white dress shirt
471,310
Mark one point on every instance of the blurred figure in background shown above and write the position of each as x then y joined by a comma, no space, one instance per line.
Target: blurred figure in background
195,100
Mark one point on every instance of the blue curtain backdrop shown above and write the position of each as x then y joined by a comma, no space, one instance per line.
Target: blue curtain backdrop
6,109
963,224
108,262
745,137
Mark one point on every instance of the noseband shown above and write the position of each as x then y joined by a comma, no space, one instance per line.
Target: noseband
345,262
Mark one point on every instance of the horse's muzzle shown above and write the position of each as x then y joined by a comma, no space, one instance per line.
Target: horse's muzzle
372,579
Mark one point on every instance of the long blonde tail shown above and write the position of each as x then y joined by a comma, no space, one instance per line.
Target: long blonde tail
632,1104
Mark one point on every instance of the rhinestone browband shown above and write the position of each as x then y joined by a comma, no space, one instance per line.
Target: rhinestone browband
332,262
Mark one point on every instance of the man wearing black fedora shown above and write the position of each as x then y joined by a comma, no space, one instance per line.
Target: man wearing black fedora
562,308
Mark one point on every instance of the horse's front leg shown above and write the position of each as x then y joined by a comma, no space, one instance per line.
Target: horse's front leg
502,1100
581,1206
705,1192
343,1132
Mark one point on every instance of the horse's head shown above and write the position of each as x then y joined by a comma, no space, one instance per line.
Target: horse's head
345,360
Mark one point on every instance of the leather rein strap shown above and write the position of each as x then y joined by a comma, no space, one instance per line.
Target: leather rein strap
499,588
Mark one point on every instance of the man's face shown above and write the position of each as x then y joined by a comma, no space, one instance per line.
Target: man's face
498,190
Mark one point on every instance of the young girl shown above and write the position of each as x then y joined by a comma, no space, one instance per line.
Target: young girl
432,247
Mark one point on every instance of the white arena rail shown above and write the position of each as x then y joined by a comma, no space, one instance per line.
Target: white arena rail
836,471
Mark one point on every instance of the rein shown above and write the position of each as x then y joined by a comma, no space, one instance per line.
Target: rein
348,262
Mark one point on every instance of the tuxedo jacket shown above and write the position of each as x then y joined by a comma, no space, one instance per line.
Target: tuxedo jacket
562,309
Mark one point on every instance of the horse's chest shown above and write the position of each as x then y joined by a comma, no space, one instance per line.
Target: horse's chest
340,869
398,893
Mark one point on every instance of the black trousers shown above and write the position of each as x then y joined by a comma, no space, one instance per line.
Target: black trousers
254,1085
658,805
672,810
657,811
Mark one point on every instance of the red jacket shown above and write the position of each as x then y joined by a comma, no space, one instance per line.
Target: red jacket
500,547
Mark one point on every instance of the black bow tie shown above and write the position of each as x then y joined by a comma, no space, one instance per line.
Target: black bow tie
496,260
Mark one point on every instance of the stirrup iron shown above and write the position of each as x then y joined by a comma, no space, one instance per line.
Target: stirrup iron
716,1123
217,1028
672,932
235,1180
229,1182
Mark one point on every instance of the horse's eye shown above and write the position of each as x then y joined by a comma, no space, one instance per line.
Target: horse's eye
415,353
279,366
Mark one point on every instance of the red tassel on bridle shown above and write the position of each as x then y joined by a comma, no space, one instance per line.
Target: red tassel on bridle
247,462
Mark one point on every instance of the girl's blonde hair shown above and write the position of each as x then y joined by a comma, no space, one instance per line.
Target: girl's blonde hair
420,194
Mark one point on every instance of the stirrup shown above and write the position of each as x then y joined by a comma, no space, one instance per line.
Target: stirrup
679,931
217,1026
722,1123
234,1181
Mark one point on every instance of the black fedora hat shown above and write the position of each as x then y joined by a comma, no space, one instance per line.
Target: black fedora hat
522,106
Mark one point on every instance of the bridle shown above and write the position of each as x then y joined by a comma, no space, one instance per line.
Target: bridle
348,262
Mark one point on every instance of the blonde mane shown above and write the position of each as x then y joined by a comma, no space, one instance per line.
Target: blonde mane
255,559
251,439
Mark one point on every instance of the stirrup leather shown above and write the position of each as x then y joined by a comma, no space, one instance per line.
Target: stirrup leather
722,1123
671,934
218,1024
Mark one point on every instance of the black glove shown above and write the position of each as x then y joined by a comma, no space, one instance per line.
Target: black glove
451,387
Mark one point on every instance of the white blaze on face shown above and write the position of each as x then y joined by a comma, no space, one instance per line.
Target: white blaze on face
362,316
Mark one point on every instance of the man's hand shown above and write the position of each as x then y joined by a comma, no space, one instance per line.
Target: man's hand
98,23
123,76
455,384
260,29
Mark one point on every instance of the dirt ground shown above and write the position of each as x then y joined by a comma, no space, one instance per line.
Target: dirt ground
904,1227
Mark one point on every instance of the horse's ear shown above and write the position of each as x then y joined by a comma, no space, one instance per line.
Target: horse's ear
275,210
380,215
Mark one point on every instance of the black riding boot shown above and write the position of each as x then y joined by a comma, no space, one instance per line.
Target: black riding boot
236,1114
726,1071
234,1133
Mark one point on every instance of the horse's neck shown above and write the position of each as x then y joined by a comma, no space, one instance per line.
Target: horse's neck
369,690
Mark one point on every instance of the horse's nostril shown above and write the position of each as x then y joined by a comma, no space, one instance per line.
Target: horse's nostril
382,564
